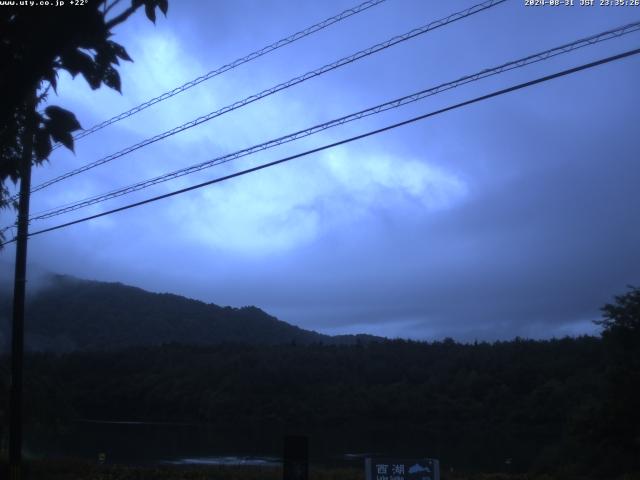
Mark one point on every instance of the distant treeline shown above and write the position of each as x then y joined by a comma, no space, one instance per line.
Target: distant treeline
558,405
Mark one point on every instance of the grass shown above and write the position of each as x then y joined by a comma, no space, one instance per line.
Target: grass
70,469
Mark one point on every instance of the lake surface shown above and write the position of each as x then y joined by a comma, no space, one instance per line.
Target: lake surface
233,461
139,443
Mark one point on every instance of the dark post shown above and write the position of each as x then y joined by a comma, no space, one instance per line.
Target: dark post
19,287
296,458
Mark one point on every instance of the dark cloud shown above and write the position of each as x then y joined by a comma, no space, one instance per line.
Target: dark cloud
516,216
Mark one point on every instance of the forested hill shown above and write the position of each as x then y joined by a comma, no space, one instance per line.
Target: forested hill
559,406
568,406
67,314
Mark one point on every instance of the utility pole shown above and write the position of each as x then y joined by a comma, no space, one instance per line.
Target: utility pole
19,288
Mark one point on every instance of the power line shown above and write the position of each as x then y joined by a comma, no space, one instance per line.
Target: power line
230,66
282,86
345,141
398,102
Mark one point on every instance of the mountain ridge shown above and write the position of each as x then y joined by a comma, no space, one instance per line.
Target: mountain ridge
68,314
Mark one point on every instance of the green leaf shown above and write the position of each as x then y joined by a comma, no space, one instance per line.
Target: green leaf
75,61
111,79
105,56
150,10
42,144
64,138
62,120
52,78
119,51
164,6
93,79
60,125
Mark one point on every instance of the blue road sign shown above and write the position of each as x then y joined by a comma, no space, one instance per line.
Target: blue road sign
401,469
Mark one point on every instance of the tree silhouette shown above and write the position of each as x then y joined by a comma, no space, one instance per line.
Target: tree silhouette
623,315
35,44
619,427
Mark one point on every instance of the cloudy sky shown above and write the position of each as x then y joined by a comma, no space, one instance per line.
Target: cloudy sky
514,216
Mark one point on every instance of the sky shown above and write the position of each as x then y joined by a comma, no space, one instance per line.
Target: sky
515,216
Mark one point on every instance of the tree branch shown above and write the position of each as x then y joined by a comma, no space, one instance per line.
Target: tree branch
109,7
122,17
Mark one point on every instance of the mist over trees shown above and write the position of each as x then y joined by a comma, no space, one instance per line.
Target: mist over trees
564,405
66,314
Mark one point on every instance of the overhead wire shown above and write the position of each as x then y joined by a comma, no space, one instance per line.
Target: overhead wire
344,141
398,102
282,86
230,66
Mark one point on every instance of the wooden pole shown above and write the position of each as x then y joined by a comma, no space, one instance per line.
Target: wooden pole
19,288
